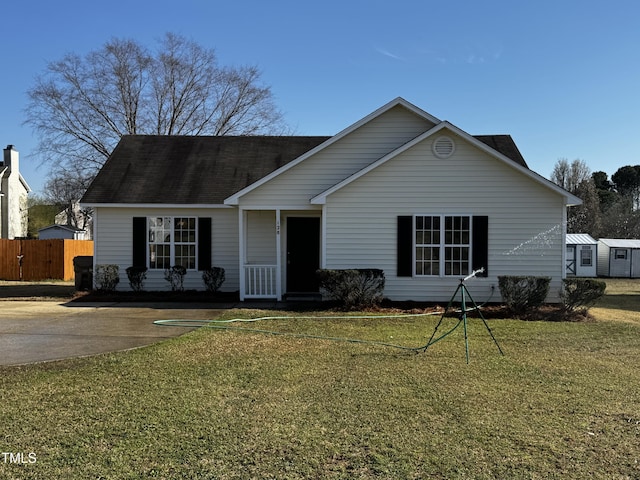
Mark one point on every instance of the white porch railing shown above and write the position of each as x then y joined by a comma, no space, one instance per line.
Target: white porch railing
260,281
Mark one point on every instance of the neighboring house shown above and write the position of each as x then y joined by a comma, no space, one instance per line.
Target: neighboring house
67,232
13,196
581,255
619,258
80,219
399,190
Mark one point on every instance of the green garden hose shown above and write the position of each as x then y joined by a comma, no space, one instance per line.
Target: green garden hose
228,325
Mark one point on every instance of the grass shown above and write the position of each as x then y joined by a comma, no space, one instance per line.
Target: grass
562,403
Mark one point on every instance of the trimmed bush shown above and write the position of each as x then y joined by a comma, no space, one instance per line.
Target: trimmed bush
136,276
354,288
579,294
523,293
213,278
175,276
107,277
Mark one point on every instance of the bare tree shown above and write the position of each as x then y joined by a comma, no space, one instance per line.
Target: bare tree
81,106
585,218
570,175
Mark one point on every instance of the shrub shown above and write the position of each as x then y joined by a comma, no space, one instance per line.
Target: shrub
213,278
107,277
578,294
355,288
136,276
523,293
175,276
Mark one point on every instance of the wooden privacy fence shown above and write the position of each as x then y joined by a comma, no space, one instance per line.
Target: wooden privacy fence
41,259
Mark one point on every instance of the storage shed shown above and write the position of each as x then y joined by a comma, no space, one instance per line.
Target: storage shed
67,232
619,258
581,255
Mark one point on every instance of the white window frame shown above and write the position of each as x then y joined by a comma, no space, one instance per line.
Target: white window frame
586,260
172,242
442,246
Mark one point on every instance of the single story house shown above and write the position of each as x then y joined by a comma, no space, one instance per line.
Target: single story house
582,255
618,258
68,232
399,190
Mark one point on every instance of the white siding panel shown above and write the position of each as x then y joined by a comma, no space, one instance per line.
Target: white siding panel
261,237
335,163
525,219
114,240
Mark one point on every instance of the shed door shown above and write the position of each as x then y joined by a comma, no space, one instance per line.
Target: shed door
571,259
620,262
635,263
303,254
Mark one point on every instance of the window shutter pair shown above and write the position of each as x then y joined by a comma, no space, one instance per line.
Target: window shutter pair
479,245
139,250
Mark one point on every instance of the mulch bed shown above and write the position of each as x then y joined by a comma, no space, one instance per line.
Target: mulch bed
40,291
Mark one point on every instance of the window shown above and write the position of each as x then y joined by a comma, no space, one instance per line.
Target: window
586,257
442,245
172,241
620,254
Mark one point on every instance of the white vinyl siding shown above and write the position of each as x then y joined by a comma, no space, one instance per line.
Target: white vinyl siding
114,238
261,238
333,164
525,219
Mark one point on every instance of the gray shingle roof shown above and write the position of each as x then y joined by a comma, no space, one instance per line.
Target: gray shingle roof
162,169
505,145
190,169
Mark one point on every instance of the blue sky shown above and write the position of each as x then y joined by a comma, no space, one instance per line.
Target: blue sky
561,77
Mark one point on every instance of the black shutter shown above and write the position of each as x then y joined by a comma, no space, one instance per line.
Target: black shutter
204,243
139,250
405,246
480,245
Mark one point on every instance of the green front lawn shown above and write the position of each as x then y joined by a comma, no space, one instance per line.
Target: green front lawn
564,402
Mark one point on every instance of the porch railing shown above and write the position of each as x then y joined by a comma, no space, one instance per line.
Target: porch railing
260,281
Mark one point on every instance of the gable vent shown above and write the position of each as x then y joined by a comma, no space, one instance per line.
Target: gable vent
443,147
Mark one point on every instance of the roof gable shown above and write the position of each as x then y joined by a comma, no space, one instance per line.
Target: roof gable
488,143
397,102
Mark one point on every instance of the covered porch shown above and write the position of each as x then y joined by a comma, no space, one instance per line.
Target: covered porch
280,250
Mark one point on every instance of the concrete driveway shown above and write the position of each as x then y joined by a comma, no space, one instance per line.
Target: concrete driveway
37,331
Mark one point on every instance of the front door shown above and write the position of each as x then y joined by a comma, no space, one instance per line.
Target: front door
303,254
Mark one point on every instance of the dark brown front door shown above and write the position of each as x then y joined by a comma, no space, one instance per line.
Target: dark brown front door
303,254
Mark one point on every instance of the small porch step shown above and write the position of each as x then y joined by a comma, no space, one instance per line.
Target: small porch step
302,297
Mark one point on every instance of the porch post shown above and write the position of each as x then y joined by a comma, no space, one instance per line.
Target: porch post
278,258
323,237
241,251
